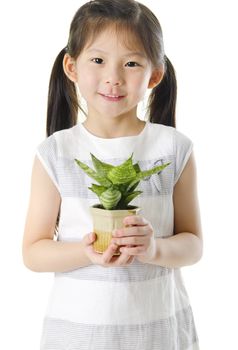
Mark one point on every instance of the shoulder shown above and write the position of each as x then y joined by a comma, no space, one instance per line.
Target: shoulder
167,134
168,131
169,141
65,134
160,129
59,140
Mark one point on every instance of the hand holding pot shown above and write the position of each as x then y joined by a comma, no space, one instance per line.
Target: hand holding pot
107,259
137,238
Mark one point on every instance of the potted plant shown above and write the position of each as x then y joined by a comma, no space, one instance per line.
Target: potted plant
116,188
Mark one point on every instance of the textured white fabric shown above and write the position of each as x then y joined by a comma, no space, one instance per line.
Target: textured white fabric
141,306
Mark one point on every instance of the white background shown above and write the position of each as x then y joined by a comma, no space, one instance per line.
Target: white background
201,41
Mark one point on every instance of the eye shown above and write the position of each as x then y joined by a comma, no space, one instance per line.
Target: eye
133,64
97,60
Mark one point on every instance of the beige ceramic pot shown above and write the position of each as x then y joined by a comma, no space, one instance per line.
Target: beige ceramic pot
105,221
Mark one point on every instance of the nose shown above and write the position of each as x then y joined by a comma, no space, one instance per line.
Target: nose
113,83
114,77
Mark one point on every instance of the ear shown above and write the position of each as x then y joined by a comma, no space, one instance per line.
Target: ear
69,66
156,77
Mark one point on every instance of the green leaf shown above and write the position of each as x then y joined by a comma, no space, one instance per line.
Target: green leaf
122,173
93,174
146,173
152,171
136,167
131,196
101,167
132,187
97,189
110,198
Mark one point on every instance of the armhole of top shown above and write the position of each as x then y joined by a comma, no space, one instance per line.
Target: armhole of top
48,169
185,157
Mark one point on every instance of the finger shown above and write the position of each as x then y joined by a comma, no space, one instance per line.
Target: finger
135,220
101,258
131,240
89,238
129,231
93,255
108,254
133,251
131,259
124,259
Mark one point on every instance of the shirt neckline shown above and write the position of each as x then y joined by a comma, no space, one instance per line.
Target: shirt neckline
113,139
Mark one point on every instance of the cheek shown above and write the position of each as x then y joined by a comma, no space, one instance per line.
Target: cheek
138,84
86,81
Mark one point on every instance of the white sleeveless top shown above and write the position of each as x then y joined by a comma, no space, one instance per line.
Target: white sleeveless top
137,307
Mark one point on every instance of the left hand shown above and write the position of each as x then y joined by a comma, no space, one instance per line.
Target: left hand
137,238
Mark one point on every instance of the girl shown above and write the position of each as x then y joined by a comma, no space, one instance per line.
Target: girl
136,300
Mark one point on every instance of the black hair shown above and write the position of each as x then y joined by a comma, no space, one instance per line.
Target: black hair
90,19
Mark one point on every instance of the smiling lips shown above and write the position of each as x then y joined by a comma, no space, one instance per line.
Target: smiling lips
112,97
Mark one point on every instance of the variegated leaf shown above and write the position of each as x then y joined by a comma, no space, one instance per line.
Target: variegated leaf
97,189
93,174
146,173
101,167
122,173
131,196
110,198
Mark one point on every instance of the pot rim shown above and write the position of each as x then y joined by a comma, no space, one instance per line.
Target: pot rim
132,209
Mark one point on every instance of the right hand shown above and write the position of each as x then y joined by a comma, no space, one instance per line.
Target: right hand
105,259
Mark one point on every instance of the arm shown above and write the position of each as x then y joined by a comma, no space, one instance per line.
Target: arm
40,252
185,246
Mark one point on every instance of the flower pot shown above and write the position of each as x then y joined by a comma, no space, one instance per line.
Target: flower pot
105,221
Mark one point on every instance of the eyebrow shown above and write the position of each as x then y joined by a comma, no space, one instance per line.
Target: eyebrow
136,53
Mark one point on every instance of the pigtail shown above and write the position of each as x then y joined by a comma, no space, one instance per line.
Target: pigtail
162,100
62,109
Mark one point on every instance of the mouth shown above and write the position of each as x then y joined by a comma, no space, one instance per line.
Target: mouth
112,97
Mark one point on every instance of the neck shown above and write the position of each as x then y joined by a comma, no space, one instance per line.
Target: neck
112,128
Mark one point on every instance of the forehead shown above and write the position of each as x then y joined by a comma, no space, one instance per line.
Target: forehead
117,37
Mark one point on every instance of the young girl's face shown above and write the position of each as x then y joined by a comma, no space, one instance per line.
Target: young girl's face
112,78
